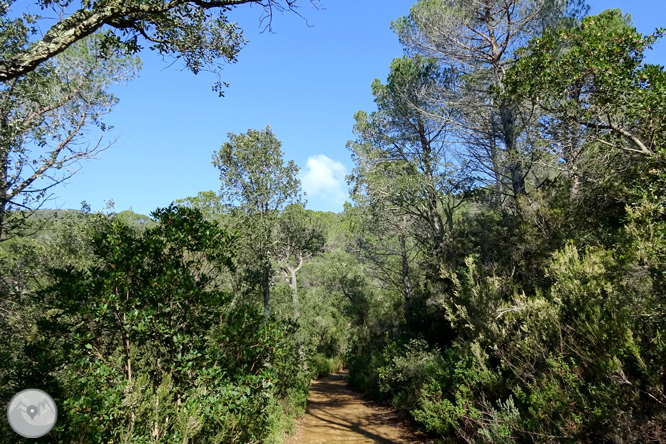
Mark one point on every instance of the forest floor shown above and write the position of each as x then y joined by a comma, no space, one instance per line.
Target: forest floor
337,414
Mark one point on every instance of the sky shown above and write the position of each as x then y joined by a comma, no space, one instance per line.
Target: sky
306,80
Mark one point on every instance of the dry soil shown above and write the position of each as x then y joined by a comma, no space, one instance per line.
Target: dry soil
337,414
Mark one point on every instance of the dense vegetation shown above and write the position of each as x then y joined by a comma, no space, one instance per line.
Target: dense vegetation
152,329
533,304
499,275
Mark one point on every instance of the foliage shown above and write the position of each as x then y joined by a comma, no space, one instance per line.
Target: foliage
538,321
198,32
47,122
298,237
546,325
477,40
257,185
593,76
254,177
408,183
208,202
137,345
323,366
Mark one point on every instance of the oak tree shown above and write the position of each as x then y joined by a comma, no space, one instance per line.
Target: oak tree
257,185
299,236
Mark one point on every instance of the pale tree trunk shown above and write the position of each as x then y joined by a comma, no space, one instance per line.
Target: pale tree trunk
128,347
575,187
290,277
128,359
294,293
125,338
571,151
572,168
128,363
266,288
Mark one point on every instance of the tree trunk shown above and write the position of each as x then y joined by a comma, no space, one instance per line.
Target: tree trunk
127,349
508,122
433,213
128,358
290,276
497,171
507,129
3,209
570,152
496,163
448,212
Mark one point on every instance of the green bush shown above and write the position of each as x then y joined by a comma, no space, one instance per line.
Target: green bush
321,365
364,357
408,369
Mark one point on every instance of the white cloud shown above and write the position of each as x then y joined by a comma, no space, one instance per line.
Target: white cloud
324,179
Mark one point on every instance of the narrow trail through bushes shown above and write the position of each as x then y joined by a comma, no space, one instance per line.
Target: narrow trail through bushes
337,414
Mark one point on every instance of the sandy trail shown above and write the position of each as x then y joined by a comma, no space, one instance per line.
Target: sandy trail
336,414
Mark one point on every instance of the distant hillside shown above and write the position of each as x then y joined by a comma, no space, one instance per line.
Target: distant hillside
39,224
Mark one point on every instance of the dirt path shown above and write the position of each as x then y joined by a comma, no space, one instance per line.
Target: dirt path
336,414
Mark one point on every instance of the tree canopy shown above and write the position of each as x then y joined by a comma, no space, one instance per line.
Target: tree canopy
47,118
198,31
257,185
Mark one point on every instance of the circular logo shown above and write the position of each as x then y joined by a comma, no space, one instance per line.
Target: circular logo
32,413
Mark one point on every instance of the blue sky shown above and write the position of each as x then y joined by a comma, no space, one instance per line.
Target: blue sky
305,81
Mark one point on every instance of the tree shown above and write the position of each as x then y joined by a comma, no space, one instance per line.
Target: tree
299,237
141,337
46,121
258,185
183,251
593,77
196,30
208,202
477,38
407,174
